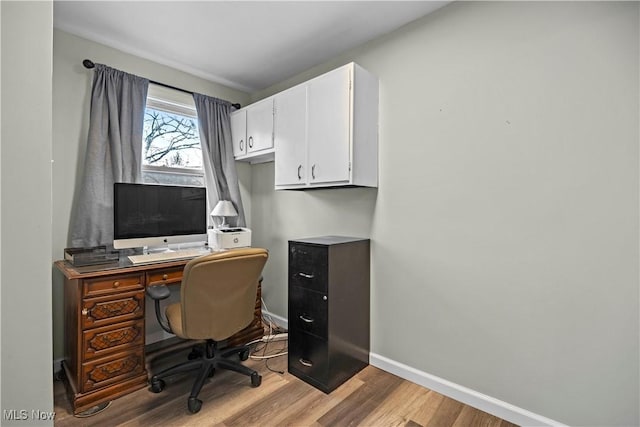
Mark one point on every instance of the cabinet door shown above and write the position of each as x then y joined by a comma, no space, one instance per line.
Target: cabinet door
260,126
239,132
290,134
329,127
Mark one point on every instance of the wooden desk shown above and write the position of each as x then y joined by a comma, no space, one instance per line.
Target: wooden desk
105,327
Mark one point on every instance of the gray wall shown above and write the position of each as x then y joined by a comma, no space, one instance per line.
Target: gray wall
71,94
505,227
25,189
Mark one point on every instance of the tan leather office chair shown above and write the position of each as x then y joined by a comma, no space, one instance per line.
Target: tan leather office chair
218,298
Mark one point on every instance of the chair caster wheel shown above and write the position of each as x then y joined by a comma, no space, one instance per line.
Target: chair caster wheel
194,405
243,355
157,385
256,379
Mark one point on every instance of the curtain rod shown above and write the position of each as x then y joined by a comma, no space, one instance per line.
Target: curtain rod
89,64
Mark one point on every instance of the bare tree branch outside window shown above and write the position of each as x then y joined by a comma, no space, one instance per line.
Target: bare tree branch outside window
171,140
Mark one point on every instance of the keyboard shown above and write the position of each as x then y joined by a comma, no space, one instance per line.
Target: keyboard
168,256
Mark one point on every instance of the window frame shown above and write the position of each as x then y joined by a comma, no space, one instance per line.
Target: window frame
174,102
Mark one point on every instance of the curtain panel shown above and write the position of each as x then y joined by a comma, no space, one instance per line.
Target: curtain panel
113,153
220,173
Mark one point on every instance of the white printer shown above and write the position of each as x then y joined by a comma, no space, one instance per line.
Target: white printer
229,238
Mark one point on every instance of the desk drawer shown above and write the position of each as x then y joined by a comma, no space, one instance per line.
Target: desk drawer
308,311
97,342
165,276
308,266
308,355
109,285
109,370
102,311
104,286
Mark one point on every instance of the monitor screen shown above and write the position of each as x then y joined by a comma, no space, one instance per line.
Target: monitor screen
156,215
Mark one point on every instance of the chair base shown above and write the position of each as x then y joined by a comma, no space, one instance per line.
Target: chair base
206,364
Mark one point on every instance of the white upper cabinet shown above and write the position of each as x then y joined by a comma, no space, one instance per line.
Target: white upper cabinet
329,127
326,131
290,137
239,132
252,132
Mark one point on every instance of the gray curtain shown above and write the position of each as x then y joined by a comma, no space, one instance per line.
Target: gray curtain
114,152
220,173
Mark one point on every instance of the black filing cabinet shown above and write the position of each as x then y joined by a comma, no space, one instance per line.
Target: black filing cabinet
328,309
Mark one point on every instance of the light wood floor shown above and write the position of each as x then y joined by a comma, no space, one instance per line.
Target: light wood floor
371,398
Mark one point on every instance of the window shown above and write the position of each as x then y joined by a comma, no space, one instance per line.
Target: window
171,151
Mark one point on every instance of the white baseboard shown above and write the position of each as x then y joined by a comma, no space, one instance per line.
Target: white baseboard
485,403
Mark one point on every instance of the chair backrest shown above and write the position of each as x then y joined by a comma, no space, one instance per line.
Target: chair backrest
218,292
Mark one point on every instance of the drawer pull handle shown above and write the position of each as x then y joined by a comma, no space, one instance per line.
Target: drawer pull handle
165,277
305,362
305,319
305,275
116,284
299,168
85,311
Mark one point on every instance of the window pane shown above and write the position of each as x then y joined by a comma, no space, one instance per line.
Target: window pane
171,140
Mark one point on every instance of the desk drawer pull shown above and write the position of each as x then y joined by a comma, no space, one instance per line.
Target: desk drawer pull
85,311
305,319
305,275
305,362
116,284
165,277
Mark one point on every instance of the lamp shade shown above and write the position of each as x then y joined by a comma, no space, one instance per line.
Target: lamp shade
224,208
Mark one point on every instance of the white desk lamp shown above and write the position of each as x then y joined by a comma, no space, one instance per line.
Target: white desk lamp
223,209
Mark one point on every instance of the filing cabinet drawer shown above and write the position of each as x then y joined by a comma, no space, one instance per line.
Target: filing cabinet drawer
109,370
308,266
308,356
104,286
308,311
105,310
166,276
98,342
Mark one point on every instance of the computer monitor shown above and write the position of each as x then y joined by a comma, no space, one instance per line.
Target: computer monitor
149,215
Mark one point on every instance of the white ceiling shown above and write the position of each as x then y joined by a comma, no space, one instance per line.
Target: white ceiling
247,45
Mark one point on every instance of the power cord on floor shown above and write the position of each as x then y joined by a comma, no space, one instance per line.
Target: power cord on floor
273,330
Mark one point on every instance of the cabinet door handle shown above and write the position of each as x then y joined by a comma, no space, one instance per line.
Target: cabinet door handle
250,142
305,275
305,362
299,169
241,144
305,319
313,171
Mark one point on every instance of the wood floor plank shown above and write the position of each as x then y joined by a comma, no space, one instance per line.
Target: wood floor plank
397,407
427,410
447,413
358,406
318,407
